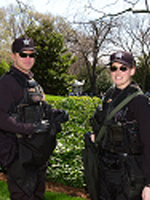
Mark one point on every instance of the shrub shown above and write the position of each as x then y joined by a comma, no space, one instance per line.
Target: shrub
66,160
4,67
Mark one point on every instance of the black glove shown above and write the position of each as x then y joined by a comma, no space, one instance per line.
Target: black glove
41,127
61,116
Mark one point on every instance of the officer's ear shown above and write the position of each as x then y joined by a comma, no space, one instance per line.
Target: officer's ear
13,56
132,72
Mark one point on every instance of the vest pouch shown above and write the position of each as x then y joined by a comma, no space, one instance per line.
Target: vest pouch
34,97
8,149
134,139
116,138
34,93
116,133
30,114
133,179
37,149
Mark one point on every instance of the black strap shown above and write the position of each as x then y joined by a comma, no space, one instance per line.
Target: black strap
19,77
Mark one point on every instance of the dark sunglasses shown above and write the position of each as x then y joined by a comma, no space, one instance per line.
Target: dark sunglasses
122,68
24,55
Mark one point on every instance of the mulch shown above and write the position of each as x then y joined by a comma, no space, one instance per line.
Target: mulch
55,187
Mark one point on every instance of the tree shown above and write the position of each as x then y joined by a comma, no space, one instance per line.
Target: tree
4,37
53,60
141,71
103,81
132,34
13,22
113,8
91,43
90,40
18,18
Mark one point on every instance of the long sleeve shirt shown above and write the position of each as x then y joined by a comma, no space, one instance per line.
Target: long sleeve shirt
11,92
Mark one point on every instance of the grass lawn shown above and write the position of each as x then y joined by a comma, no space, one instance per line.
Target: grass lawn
4,194
54,98
59,196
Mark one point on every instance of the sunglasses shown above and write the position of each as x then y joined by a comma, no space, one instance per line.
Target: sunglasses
24,55
122,68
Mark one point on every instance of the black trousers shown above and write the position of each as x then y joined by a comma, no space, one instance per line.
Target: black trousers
16,193
120,178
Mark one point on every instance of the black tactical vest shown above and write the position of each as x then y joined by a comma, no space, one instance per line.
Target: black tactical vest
121,135
37,148
30,108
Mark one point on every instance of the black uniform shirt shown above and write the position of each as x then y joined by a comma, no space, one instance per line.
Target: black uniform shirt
12,92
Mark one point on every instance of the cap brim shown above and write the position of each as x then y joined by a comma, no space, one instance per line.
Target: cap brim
119,61
28,49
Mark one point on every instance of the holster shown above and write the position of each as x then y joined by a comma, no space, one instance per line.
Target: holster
36,150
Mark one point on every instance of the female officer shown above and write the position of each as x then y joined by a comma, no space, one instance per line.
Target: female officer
125,146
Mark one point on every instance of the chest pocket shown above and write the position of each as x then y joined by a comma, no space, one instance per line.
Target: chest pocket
114,139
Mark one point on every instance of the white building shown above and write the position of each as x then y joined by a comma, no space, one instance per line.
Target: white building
77,88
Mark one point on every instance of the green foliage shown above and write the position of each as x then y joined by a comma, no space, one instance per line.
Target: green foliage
52,60
4,192
67,166
103,81
4,67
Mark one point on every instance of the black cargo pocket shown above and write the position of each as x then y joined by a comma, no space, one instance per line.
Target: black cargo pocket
133,179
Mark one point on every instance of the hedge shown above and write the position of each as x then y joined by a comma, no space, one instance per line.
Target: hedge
66,160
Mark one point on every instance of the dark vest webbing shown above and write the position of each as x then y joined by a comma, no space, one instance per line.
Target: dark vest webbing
124,98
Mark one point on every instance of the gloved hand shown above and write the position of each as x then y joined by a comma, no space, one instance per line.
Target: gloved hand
41,127
61,116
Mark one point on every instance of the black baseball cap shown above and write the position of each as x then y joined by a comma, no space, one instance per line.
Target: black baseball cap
123,57
23,43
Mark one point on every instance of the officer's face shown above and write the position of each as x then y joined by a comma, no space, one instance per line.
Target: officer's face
24,61
121,75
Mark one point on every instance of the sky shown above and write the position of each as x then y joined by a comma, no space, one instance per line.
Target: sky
56,7
68,8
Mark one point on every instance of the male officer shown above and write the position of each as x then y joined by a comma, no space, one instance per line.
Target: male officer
27,125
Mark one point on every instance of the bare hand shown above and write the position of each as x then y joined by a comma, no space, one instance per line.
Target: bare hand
146,193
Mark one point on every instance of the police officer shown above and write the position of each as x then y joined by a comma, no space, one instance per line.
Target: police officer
124,148
28,125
